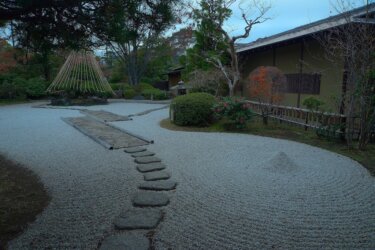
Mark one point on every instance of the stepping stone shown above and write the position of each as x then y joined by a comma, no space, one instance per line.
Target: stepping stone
150,199
157,175
147,159
163,185
128,241
143,154
150,167
134,150
139,218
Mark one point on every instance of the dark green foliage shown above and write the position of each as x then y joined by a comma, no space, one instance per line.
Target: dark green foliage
193,109
12,86
235,109
129,92
313,103
35,87
154,94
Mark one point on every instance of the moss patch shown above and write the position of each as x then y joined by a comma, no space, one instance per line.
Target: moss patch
22,197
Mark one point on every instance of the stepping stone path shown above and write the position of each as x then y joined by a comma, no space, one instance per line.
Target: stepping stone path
134,150
147,159
131,241
163,185
143,154
150,167
150,199
158,175
144,215
139,219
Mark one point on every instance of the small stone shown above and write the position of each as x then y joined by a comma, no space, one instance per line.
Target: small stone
128,241
147,159
143,154
139,218
134,150
163,185
158,175
150,199
150,167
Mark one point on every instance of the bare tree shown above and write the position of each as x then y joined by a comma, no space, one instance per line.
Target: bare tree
354,42
222,52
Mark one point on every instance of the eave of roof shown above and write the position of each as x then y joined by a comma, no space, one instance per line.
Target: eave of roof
311,28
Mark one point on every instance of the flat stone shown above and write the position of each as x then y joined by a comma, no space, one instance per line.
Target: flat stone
162,185
139,218
150,167
150,199
147,159
143,154
134,150
128,241
157,175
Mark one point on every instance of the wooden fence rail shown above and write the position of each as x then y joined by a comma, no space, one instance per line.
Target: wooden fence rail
298,116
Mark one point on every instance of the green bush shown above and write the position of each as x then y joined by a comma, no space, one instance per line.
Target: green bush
117,86
154,94
141,87
9,90
35,87
235,109
129,92
313,103
193,109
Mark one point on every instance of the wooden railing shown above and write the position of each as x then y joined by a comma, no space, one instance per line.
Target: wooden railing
298,116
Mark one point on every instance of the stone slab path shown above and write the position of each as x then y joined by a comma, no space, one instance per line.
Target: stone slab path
134,150
143,154
139,219
128,241
147,160
105,116
107,136
150,199
161,185
150,167
157,175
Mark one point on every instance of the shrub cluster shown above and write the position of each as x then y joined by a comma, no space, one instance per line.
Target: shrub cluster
148,91
234,109
192,109
17,87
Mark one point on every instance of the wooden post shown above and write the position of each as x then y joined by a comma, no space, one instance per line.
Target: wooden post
300,74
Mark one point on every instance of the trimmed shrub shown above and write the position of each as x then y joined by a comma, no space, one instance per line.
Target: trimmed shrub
154,94
193,109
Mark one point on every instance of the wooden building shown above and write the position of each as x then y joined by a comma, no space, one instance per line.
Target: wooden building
303,59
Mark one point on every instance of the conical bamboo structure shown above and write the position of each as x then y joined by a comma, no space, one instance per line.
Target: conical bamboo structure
80,72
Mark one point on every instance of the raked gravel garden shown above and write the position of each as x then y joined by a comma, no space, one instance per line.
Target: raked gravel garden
233,191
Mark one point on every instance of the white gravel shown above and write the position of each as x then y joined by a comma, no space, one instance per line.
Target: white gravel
231,195
89,184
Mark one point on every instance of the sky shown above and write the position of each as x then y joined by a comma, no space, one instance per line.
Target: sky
284,15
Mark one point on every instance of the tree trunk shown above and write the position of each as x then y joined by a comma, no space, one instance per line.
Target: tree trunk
350,123
231,90
46,66
265,119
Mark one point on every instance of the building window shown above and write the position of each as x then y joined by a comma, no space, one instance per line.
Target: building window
310,83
